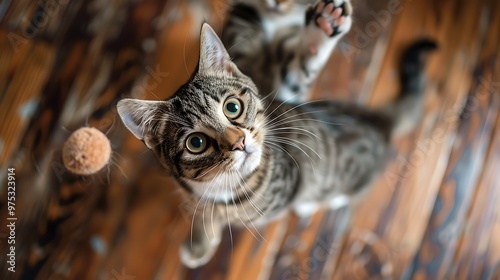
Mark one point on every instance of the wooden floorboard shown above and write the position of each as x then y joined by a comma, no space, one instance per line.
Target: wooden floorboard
477,239
476,122
390,238
434,213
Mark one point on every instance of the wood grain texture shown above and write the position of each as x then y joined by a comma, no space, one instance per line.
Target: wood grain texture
434,213
311,246
31,69
476,123
395,230
477,238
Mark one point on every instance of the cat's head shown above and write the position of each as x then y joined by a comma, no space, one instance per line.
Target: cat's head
213,125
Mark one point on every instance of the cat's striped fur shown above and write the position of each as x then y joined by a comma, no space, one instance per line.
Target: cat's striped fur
274,156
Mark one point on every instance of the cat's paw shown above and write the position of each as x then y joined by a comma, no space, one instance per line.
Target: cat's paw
333,17
199,252
193,258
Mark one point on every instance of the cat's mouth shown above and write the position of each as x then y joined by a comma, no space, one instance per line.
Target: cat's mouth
246,161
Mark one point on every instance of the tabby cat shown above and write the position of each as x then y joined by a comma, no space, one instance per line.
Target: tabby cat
244,157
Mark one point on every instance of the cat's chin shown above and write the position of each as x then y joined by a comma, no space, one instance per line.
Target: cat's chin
246,163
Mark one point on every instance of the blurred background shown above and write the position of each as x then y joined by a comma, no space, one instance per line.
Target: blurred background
433,214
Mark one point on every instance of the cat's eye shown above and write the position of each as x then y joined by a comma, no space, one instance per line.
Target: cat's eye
197,143
233,107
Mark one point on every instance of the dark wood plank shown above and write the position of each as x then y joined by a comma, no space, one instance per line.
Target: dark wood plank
463,172
469,261
491,266
245,255
81,77
30,70
477,239
311,245
384,232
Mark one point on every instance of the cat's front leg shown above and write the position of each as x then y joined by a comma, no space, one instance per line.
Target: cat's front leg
326,22
202,242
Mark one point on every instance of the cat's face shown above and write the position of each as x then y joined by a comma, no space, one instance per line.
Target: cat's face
214,126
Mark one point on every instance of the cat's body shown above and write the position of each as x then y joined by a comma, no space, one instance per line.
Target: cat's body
244,157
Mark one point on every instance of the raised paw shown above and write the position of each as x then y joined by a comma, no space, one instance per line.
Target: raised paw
333,19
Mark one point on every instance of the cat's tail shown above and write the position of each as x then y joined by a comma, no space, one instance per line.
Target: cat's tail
406,110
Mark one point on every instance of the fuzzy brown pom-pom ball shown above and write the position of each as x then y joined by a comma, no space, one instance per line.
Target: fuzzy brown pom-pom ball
86,151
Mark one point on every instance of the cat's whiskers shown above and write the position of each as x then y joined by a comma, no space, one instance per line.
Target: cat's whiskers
313,120
274,97
278,141
196,209
298,142
275,122
258,197
291,109
234,45
281,104
286,130
287,135
209,188
213,207
115,159
294,143
284,150
227,215
234,202
243,188
212,168
248,217
252,203
184,56
150,91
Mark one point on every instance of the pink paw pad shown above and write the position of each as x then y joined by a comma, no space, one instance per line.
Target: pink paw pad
328,17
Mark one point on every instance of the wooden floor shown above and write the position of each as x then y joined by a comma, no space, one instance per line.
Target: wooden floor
433,214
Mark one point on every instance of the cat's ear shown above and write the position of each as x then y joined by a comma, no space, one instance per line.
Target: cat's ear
213,54
138,117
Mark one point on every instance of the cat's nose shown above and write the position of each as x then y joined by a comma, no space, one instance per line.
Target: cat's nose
239,145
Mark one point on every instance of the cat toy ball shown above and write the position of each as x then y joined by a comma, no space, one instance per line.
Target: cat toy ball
86,151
